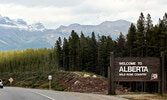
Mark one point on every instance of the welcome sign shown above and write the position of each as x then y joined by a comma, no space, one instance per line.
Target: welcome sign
132,69
137,69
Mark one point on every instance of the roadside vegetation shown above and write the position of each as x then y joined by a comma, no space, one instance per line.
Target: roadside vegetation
38,79
62,81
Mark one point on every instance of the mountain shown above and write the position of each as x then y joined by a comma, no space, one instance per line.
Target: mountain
7,23
112,28
17,34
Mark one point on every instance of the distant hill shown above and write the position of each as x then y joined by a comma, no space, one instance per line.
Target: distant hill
17,34
112,28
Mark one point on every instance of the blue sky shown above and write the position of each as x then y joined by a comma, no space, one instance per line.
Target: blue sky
53,13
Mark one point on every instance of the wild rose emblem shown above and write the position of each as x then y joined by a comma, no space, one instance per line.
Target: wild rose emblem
154,76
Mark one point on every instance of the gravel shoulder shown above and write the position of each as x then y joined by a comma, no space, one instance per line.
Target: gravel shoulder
86,96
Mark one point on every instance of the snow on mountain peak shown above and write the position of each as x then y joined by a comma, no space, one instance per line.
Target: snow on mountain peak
6,21
20,24
37,26
20,21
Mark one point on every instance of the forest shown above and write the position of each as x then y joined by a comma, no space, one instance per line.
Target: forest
91,53
28,60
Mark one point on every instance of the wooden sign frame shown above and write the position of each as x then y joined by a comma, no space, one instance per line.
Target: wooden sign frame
159,65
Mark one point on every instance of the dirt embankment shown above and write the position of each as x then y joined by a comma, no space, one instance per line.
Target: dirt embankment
87,83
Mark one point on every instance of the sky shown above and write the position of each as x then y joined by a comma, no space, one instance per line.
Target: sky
53,13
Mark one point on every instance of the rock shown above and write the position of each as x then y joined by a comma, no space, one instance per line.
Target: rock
86,75
94,76
76,82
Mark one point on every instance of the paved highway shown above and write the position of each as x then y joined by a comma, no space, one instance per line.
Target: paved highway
15,93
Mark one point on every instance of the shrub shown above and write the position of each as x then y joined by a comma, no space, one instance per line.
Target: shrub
58,87
45,86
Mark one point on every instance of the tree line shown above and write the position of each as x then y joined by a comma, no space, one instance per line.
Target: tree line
28,60
91,53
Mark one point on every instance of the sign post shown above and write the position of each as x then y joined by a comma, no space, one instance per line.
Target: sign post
109,80
11,80
50,79
163,73
111,75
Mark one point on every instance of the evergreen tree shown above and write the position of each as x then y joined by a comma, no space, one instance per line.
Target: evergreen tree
102,55
140,36
162,36
149,27
120,46
73,50
131,39
59,53
165,19
83,51
65,54
92,53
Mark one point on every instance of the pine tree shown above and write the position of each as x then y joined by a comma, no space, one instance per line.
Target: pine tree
65,54
83,51
73,50
140,36
162,36
120,45
102,55
92,53
59,58
165,20
131,39
149,27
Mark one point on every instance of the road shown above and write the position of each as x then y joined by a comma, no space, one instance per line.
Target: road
15,93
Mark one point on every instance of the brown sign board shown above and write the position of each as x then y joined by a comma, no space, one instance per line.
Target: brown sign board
137,69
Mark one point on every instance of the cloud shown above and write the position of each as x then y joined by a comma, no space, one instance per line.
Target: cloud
43,3
54,13
36,14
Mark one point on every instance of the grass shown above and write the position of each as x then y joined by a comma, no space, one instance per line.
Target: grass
158,96
134,93
146,97
131,98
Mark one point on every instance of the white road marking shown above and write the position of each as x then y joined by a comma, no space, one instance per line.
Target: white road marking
43,95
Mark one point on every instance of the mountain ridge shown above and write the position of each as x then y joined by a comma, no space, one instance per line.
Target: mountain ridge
17,34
